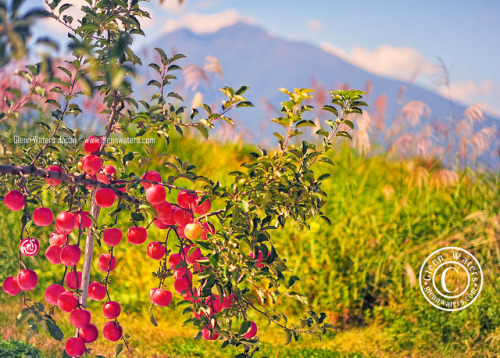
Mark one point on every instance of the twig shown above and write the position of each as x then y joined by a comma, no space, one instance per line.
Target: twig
66,178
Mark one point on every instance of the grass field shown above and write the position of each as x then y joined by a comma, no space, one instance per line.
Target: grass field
387,216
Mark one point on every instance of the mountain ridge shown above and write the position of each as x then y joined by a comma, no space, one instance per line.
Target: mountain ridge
250,56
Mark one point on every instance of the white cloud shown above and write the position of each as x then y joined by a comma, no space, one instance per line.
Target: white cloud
315,25
470,91
403,63
205,23
173,6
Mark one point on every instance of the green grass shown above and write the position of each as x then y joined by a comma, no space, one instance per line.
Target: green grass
18,349
386,218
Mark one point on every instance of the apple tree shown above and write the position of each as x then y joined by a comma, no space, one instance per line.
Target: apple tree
217,249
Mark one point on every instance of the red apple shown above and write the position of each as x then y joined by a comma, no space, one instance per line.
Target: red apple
121,185
209,336
54,168
103,178
57,239
97,291
161,297
67,301
252,332
107,262
174,260
155,250
170,219
164,209
182,217
112,331
10,286
89,334
112,237
43,217
53,254
14,200
137,235
152,176
160,224
156,194
185,199
70,255
201,208
105,197
182,272
111,310
27,279
109,170
194,256
75,347
65,221
91,164
92,144
193,231
84,216
227,302
181,284
79,318
53,292
71,278
214,303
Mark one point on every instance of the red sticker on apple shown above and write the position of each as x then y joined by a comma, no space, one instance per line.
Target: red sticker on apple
29,247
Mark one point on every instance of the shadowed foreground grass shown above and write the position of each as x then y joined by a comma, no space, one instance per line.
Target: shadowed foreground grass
171,340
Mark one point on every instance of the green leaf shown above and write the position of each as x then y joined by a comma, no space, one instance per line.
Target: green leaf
54,330
21,317
153,321
305,123
175,95
176,57
245,327
292,281
343,134
119,349
331,109
326,219
241,90
326,160
203,130
323,176
64,7
137,216
173,68
348,123
245,104
288,334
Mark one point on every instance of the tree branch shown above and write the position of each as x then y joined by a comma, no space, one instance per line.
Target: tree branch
66,178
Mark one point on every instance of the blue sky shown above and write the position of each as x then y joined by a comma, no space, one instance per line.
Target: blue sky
400,39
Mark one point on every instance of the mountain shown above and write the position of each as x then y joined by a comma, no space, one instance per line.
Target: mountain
250,56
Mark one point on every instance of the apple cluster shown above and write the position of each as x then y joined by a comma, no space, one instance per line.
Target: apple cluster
184,217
